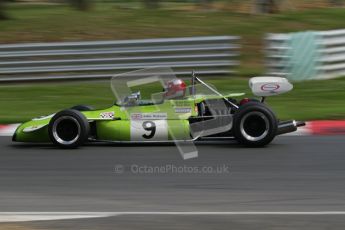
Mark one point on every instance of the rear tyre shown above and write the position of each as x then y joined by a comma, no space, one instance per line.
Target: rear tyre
83,108
69,129
255,124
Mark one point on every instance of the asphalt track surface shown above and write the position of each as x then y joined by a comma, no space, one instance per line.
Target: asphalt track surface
297,174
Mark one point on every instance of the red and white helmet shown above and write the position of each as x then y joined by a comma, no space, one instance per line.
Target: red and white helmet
175,89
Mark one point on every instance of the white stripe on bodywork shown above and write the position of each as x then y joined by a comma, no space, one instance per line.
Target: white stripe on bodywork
33,128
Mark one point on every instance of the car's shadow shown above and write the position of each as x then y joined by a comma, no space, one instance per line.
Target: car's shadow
216,143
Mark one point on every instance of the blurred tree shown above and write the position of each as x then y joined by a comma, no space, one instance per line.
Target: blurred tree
266,6
151,4
80,4
3,15
206,4
337,2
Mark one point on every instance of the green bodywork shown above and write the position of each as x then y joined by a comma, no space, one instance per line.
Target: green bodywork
122,126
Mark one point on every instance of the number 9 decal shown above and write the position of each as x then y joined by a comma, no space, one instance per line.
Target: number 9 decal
148,130
151,127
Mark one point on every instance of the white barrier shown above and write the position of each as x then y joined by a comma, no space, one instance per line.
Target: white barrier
306,55
211,55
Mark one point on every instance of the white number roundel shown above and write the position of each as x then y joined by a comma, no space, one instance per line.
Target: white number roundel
149,130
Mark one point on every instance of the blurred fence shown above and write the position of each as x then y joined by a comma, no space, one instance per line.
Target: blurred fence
307,55
101,59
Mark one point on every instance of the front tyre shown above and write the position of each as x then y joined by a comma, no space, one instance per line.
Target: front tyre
69,129
254,124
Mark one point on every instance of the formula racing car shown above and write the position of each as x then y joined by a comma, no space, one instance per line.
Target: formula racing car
173,112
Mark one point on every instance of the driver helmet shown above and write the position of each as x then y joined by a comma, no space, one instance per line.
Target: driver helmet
175,89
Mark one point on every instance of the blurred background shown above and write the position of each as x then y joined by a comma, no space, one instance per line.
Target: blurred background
56,54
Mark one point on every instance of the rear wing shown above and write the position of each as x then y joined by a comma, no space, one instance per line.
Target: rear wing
269,86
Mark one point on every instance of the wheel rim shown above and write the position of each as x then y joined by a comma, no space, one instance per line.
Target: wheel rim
66,130
254,126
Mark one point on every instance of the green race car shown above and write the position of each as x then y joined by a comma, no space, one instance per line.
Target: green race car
173,113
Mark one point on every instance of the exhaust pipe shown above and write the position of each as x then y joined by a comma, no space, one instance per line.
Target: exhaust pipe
289,126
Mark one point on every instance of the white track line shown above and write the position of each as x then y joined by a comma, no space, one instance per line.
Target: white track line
35,216
39,216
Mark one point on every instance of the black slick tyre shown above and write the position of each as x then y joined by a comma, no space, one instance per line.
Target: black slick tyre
69,129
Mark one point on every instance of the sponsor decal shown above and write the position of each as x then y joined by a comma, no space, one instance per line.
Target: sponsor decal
270,87
136,116
149,116
107,115
183,110
181,103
